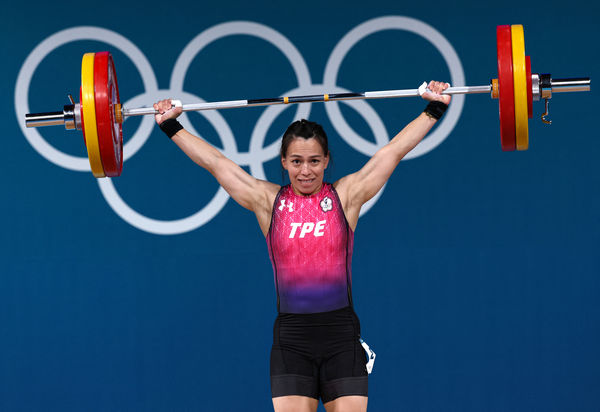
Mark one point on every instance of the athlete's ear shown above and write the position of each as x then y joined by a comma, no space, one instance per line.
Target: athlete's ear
326,161
283,163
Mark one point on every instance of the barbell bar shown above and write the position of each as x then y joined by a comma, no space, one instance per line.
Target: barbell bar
71,121
100,114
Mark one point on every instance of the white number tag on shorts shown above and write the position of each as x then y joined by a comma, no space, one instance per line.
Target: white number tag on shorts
370,355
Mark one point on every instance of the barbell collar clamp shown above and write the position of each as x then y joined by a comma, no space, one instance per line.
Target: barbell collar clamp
535,87
546,85
72,116
546,113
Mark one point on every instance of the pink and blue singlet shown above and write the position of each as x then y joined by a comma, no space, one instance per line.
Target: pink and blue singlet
310,244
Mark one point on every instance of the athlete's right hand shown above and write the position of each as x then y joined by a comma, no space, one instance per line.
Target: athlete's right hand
166,110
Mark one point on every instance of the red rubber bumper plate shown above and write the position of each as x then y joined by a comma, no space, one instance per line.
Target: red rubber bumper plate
110,132
506,88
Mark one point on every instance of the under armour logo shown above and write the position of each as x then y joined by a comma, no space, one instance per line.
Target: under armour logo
290,206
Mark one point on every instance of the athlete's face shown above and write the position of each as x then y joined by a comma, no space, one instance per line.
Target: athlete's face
306,164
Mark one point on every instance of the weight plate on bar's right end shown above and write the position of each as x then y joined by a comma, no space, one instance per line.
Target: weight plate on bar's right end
88,111
110,136
529,87
506,99
520,78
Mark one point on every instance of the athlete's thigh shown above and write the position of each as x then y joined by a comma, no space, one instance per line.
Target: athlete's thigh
344,376
295,404
347,404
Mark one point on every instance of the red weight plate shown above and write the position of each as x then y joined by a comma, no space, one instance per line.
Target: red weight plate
116,102
110,133
506,88
529,87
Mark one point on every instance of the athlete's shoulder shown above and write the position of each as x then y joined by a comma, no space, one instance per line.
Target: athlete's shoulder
268,193
284,190
270,187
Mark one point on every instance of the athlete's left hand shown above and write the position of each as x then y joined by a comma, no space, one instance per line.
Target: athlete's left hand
436,92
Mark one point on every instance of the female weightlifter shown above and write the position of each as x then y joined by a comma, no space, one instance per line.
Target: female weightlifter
309,227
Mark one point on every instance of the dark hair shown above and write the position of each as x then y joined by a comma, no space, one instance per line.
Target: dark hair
306,130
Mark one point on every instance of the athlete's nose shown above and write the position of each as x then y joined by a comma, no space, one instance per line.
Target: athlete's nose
305,170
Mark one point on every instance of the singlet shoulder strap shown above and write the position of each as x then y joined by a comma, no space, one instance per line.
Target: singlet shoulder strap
339,202
282,189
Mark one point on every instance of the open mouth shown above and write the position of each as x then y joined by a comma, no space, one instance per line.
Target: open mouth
306,182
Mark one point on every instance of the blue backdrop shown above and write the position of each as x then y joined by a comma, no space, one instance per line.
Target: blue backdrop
476,272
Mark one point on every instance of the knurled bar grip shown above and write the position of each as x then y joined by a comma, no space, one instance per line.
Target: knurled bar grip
232,104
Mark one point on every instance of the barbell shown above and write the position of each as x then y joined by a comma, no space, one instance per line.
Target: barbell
99,113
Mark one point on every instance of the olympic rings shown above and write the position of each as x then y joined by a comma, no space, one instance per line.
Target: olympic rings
394,23
257,154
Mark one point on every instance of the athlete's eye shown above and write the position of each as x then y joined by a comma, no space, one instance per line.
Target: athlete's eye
315,161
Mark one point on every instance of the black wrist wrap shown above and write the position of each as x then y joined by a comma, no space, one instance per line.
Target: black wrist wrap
170,127
435,109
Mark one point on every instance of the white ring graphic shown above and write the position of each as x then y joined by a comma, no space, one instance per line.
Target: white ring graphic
203,216
399,23
172,227
257,154
251,29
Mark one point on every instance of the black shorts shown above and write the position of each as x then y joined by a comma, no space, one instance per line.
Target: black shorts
318,355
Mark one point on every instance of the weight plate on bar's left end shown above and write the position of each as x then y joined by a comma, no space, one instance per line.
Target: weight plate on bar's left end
520,78
88,121
529,87
110,136
506,99
81,117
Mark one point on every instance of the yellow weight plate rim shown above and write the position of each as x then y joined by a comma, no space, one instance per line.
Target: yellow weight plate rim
520,86
88,104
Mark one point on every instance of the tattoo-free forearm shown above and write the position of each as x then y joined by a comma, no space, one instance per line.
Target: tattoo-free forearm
411,135
197,149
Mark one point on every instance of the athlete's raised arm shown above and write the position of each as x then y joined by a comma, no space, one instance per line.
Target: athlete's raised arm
357,188
251,193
